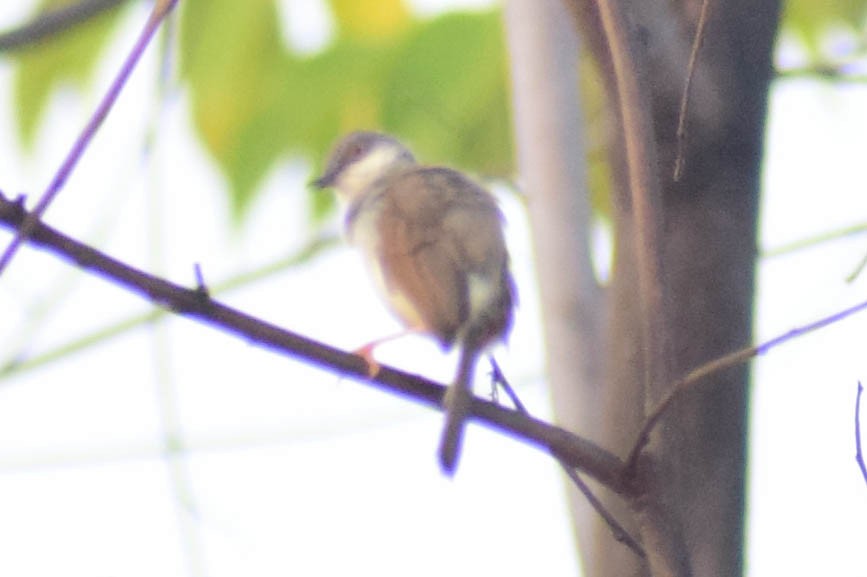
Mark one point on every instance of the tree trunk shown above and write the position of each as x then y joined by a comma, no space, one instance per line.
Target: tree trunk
707,245
549,129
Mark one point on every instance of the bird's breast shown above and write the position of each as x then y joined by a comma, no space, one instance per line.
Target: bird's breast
362,231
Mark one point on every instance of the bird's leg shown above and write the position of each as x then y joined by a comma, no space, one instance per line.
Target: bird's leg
366,351
498,378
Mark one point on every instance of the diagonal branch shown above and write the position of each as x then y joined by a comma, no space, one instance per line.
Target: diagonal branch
573,450
160,10
702,373
54,22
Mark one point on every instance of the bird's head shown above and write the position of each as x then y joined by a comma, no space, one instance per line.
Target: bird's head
359,159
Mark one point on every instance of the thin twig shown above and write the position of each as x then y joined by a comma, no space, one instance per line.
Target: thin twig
822,238
815,240
859,455
835,73
201,286
852,276
176,447
700,374
55,21
679,159
18,362
160,10
619,532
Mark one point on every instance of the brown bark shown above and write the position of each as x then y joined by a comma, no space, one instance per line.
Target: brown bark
707,249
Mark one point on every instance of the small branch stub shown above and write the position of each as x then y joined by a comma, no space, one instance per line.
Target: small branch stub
201,287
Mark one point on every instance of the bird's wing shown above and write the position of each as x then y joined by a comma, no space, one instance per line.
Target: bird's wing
436,229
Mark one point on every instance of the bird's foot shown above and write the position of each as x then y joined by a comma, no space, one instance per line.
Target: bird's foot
366,353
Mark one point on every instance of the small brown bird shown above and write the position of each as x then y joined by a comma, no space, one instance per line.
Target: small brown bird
433,242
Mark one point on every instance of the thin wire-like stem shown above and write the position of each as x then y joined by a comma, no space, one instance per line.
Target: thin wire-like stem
815,240
18,362
859,454
856,272
617,530
838,73
680,160
160,10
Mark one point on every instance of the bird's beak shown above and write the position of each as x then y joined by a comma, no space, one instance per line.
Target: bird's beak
326,180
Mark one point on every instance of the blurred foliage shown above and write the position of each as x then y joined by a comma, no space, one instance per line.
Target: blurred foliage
440,84
254,100
597,135
370,18
233,61
811,20
68,58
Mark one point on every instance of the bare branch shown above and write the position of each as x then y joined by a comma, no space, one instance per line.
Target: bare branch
160,10
573,450
54,22
700,374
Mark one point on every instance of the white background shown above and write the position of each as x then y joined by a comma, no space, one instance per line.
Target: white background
289,470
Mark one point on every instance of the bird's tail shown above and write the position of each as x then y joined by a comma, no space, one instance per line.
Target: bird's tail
457,402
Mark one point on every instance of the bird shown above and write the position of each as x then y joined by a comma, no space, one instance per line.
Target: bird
433,241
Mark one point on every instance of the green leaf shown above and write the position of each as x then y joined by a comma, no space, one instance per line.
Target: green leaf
333,93
448,93
68,58
442,87
234,62
439,84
